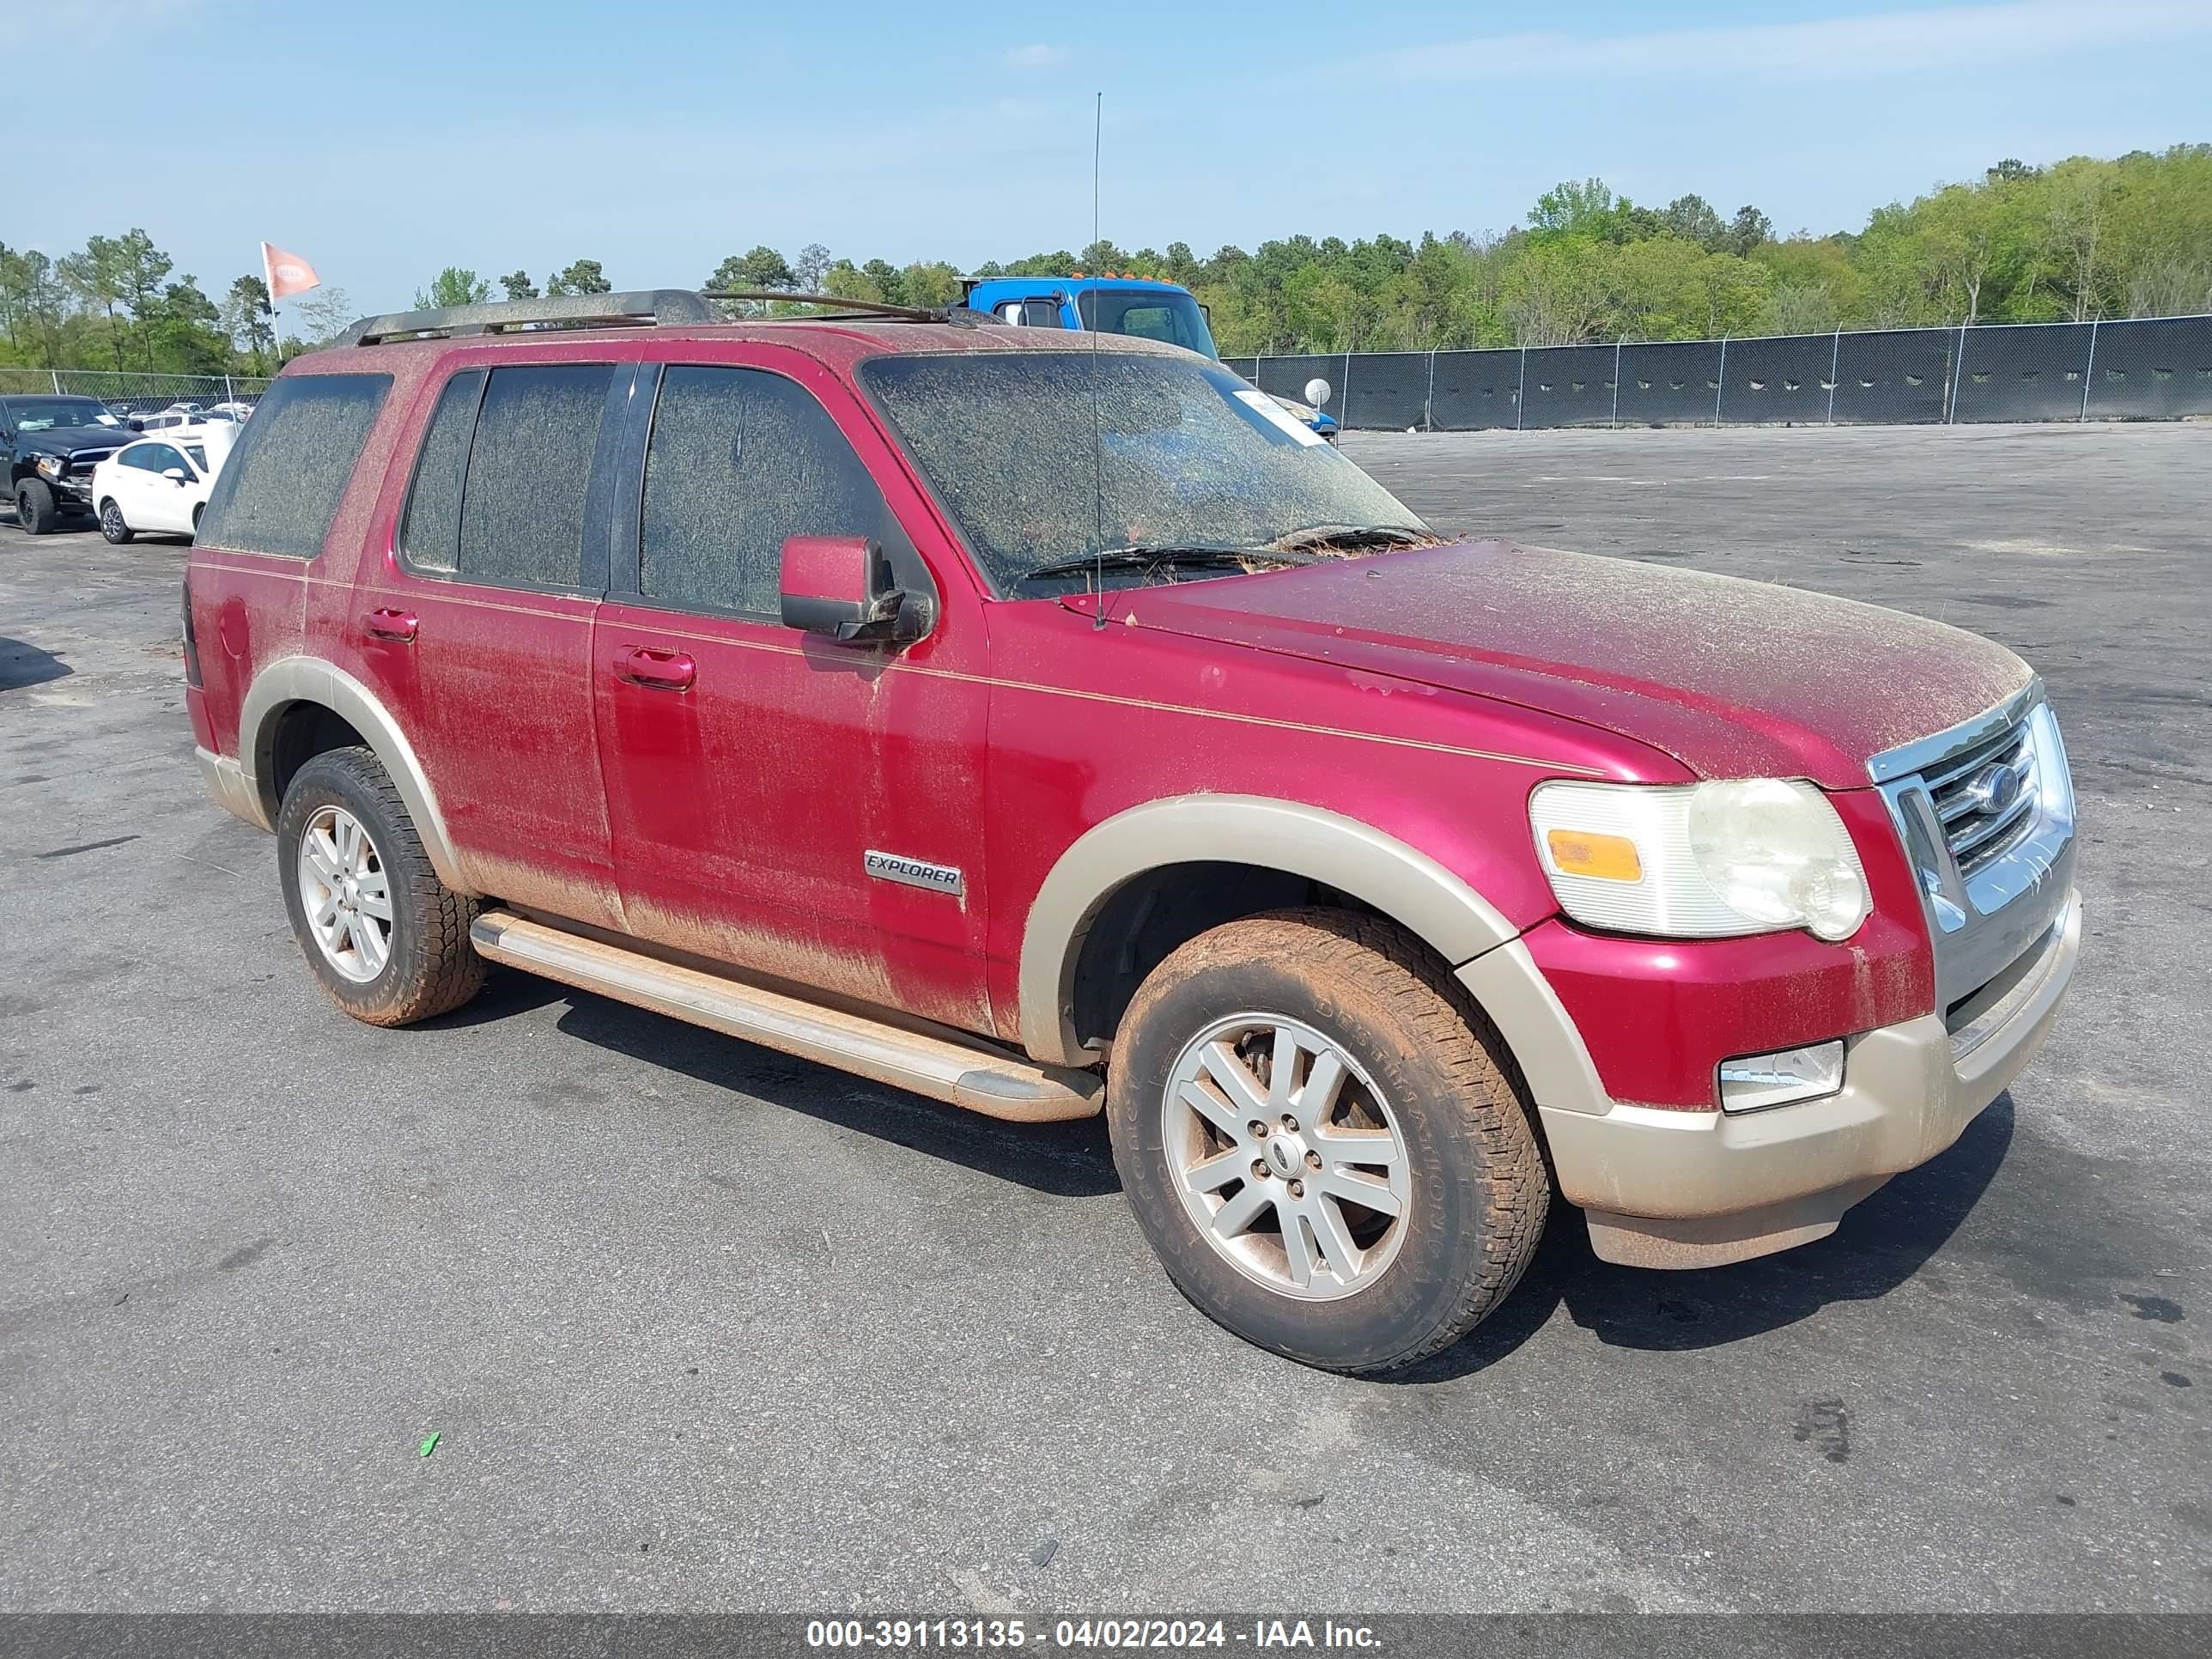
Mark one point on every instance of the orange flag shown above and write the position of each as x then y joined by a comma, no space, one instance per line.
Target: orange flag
287,273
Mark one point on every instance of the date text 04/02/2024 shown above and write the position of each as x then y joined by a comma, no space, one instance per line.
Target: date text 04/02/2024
1085,1633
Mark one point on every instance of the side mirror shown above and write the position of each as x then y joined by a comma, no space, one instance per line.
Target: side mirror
138,425
1317,391
176,475
842,586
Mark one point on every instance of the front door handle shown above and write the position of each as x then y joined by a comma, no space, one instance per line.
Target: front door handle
655,669
389,625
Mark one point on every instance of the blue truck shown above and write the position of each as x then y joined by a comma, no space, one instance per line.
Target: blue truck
1142,305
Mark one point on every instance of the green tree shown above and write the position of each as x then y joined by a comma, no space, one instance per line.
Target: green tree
248,317
811,267
142,270
323,315
1693,219
519,285
888,286
929,283
453,287
1747,230
848,280
94,276
583,276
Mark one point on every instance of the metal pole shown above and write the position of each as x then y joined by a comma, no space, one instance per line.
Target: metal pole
2089,369
1616,382
1429,402
228,396
1958,377
1835,357
55,376
1344,418
1521,393
1720,381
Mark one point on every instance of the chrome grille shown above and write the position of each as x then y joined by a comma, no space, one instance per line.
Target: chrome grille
1986,811
1985,799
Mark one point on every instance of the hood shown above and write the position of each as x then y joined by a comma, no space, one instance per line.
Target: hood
74,440
1734,678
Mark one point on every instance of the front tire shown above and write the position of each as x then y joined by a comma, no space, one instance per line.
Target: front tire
382,934
112,525
35,508
1324,1140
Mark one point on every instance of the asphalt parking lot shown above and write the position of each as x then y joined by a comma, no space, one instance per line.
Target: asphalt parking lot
703,1327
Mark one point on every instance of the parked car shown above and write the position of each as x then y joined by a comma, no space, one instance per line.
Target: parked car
1374,884
175,415
158,484
51,445
1144,307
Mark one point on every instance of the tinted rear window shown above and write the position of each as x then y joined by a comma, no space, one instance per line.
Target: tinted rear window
430,534
530,473
281,489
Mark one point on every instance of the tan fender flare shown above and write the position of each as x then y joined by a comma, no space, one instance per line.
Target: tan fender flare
1403,883
306,679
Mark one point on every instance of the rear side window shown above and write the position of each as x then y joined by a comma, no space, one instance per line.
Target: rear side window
741,458
529,475
430,534
281,489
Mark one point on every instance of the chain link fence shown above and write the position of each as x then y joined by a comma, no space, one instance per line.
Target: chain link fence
2145,369
127,393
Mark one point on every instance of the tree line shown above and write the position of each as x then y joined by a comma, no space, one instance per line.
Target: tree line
2082,238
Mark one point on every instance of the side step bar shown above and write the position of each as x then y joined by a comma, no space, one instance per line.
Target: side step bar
995,1083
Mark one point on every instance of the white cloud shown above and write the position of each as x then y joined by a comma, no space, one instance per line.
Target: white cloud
1037,57
1880,44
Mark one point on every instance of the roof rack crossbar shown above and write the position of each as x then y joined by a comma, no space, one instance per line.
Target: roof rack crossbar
639,308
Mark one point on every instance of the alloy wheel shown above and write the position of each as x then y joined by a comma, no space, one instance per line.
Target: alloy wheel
345,894
1286,1156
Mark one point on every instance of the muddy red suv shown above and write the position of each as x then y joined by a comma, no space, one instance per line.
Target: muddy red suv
1050,726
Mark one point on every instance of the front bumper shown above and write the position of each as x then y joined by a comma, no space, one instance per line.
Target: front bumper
1674,1188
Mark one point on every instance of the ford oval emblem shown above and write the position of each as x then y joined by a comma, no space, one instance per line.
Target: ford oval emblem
1996,788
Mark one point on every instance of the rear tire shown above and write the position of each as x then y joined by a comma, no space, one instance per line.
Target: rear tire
35,509
112,525
382,934
1420,1111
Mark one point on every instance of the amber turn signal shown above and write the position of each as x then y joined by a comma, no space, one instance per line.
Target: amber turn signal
1609,858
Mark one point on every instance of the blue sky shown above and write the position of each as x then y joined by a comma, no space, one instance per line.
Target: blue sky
383,141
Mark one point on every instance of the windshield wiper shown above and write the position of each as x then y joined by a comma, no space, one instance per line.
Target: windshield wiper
1355,535
1145,557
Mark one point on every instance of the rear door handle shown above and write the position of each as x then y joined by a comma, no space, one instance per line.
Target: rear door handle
655,669
388,624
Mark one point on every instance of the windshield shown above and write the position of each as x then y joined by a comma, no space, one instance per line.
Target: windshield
44,414
1185,455
1150,313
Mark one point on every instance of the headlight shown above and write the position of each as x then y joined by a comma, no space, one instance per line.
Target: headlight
51,466
1705,860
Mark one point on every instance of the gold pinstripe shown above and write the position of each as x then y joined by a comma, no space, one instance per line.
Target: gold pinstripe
1111,699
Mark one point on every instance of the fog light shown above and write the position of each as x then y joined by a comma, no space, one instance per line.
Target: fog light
1780,1079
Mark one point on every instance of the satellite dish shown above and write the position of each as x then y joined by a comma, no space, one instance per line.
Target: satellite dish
1317,391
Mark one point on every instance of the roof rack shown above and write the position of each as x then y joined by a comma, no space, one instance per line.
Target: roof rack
640,308
961,316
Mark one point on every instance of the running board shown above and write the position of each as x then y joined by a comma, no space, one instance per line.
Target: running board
996,1084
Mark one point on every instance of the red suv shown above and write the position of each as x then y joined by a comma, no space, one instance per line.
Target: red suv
1049,725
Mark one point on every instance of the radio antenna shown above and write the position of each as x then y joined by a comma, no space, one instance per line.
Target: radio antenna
1097,425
